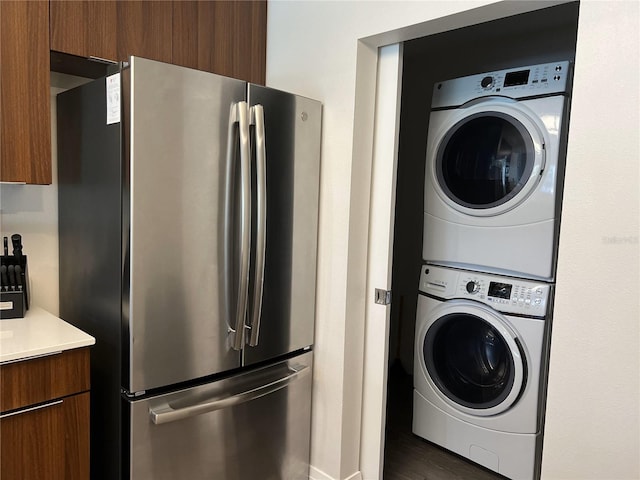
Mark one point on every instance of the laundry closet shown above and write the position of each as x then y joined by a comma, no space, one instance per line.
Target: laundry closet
530,50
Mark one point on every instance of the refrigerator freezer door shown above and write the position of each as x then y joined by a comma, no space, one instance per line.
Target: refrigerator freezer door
292,158
253,425
177,124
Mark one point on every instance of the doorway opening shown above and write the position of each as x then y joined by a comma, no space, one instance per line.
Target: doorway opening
541,36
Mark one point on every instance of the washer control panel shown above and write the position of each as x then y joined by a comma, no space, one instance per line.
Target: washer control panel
519,82
505,294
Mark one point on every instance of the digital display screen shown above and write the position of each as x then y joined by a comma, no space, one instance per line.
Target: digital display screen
516,78
500,290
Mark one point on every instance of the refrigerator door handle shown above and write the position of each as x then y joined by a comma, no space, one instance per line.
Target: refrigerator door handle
239,115
257,119
165,413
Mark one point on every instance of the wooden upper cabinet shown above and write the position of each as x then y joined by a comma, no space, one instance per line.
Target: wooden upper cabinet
186,35
112,30
86,29
144,29
224,37
25,115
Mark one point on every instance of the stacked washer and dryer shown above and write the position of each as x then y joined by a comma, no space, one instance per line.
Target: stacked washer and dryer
493,184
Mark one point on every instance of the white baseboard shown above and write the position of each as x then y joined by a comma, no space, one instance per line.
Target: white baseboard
317,474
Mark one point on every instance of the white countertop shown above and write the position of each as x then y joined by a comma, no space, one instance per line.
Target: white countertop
38,333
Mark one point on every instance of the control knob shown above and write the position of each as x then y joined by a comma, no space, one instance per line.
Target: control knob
486,82
472,287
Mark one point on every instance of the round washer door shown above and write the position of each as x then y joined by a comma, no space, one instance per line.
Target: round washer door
488,158
472,358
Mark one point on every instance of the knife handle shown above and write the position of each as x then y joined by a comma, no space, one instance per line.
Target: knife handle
12,277
18,283
3,276
6,246
16,241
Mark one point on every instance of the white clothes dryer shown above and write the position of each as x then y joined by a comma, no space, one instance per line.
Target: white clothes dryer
493,171
480,369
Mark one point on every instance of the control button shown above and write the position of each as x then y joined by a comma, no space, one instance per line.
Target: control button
486,82
539,291
558,68
472,287
537,301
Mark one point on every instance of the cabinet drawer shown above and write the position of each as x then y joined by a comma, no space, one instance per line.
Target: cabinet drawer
49,442
45,378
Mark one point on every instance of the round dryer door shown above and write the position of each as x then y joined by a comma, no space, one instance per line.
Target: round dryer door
489,158
473,358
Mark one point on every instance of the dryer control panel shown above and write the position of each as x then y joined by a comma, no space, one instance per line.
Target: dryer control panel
505,294
520,82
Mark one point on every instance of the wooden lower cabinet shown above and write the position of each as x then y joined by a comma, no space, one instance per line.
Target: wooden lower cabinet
49,441
45,435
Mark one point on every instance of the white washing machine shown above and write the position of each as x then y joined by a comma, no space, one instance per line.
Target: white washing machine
480,367
493,172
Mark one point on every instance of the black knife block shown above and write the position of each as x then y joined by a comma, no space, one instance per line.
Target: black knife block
14,304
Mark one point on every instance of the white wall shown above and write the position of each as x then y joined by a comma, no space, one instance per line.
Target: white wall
312,49
593,401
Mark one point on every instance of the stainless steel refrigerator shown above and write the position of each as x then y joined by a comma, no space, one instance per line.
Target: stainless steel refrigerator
188,214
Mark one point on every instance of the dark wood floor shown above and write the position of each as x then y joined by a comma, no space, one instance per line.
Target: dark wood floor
409,457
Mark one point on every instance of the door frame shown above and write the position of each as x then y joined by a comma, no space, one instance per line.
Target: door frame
362,265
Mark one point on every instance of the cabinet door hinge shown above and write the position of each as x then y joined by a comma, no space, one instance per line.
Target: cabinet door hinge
382,296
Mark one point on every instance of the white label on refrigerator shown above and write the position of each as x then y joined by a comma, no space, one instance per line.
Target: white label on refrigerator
113,99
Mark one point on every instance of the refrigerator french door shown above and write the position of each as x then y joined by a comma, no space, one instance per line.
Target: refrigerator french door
188,210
